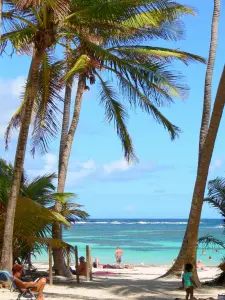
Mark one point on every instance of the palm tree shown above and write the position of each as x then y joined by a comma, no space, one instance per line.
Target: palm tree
188,254
29,30
142,75
141,70
33,30
35,211
209,74
188,249
133,14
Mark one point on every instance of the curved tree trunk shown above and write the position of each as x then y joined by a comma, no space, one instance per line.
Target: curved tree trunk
1,18
65,149
198,195
71,133
6,261
66,119
208,78
188,250
59,262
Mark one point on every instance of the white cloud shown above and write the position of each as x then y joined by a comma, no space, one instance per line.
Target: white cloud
118,170
90,164
46,164
117,166
129,208
217,164
50,161
12,87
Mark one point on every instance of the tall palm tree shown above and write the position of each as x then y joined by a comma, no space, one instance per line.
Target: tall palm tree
142,77
141,70
188,248
0,18
35,29
137,23
209,75
28,30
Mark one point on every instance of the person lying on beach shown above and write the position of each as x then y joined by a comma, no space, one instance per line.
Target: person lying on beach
117,266
118,254
188,281
81,267
17,271
200,266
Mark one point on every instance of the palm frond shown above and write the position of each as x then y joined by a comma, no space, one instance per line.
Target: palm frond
39,188
137,98
46,111
60,7
210,242
155,18
216,195
116,111
14,123
158,53
80,65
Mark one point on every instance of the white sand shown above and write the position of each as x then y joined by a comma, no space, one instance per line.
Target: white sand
139,283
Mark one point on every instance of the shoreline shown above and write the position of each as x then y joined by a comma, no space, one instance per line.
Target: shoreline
142,265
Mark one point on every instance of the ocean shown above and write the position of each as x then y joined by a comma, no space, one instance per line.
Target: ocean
144,241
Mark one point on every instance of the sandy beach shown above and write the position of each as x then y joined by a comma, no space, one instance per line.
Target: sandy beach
137,283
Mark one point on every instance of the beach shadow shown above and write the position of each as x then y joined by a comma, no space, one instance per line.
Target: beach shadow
119,287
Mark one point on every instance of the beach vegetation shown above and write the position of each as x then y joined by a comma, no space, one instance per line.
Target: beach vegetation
35,212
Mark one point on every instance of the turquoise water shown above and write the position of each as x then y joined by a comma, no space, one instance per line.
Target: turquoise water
143,241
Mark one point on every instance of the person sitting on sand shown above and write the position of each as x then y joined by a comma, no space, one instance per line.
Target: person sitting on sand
81,267
118,254
35,286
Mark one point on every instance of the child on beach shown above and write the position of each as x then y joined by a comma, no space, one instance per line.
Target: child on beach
188,282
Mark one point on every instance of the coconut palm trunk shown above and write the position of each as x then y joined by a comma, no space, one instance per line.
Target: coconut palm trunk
65,149
191,234
1,18
209,74
6,256
66,119
188,250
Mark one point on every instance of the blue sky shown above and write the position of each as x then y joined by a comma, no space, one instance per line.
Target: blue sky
161,185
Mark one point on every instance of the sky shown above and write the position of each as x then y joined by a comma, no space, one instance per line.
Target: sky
161,184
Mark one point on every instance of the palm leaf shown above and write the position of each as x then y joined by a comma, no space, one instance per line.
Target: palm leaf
158,53
46,112
209,241
80,65
216,195
115,111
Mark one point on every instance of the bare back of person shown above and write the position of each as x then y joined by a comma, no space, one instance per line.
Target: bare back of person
118,254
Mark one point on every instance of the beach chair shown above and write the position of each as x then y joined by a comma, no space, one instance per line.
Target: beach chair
26,294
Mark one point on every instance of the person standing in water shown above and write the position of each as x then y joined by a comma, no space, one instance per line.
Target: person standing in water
118,255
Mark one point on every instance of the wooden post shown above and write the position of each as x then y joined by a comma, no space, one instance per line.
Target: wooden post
88,263
77,264
50,264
